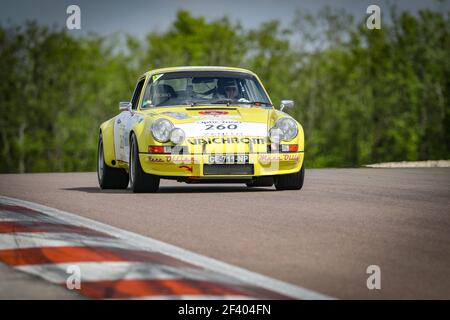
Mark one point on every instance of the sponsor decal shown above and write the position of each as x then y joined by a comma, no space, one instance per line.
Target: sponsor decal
157,76
278,157
182,159
228,116
233,140
188,168
213,113
155,159
177,159
218,122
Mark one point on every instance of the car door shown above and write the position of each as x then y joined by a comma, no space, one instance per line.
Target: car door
124,122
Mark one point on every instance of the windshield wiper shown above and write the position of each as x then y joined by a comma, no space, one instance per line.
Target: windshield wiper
228,102
224,101
231,101
195,103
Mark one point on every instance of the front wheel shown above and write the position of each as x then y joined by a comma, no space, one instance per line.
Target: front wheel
139,180
108,177
293,181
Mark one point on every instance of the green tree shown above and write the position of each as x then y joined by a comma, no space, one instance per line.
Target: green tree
362,95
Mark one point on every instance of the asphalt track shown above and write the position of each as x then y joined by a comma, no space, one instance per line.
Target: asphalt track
321,238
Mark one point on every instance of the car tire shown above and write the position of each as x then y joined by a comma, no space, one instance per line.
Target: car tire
139,180
293,181
108,177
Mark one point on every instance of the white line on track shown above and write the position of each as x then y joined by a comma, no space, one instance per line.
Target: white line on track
146,243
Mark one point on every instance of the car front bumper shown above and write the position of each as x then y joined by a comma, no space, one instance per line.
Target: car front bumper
197,166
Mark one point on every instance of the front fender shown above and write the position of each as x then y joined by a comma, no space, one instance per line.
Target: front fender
141,129
107,132
299,139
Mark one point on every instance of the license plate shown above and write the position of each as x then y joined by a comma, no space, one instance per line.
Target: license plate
228,159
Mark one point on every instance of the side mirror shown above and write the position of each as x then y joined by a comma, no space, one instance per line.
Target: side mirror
125,106
286,104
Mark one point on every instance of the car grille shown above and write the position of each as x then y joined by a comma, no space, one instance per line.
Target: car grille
227,169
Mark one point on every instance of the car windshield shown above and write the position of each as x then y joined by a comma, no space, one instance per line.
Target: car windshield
204,88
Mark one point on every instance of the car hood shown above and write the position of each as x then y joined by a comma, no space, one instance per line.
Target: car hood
219,120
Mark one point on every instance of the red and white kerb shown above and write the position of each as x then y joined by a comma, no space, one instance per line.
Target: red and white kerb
41,244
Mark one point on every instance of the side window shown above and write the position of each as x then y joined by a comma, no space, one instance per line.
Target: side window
137,94
147,98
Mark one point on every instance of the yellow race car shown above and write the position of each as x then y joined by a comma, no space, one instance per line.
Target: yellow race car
200,125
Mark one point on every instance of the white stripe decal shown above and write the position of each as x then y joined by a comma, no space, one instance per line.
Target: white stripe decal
230,127
138,241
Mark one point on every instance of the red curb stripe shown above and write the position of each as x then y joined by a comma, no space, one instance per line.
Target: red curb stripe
122,289
43,255
35,226
114,289
22,210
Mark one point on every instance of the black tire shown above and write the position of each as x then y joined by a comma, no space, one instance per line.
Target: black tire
108,177
139,180
293,181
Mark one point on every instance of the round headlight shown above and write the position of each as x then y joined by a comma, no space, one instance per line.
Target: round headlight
289,128
161,129
275,135
177,135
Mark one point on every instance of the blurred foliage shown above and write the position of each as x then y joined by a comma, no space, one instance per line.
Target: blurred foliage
363,96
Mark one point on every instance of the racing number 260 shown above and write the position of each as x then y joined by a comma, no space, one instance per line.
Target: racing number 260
231,126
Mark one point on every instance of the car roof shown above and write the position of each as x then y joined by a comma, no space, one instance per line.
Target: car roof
197,68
